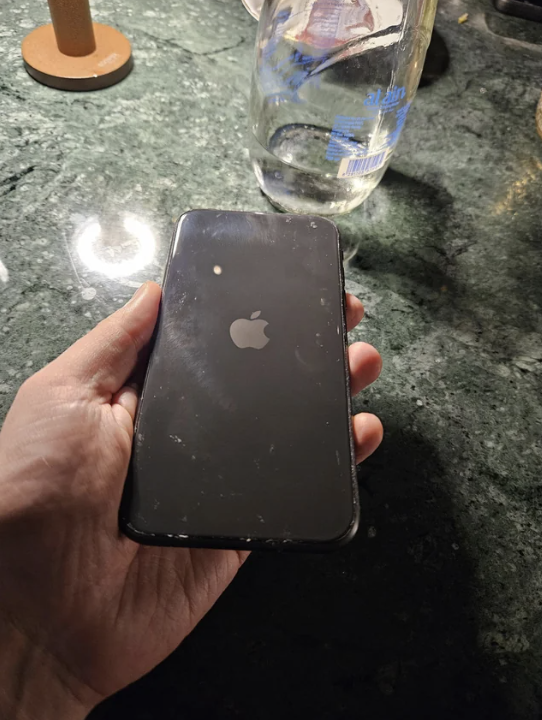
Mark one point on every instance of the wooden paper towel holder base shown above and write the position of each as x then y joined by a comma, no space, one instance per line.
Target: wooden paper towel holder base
73,53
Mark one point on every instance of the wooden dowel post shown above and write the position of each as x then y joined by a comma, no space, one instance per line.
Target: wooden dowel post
72,23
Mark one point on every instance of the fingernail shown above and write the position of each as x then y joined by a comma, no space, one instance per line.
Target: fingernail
141,289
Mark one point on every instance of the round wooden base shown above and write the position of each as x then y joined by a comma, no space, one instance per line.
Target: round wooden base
108,64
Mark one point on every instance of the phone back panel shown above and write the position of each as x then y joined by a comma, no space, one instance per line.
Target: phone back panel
242,441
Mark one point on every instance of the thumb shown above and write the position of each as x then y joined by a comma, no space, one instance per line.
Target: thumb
107,355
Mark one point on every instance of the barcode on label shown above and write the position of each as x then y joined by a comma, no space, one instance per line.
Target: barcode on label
356,167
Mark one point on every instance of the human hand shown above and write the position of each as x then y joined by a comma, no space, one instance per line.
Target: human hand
84,611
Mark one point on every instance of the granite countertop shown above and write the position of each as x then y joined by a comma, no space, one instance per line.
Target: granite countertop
435,610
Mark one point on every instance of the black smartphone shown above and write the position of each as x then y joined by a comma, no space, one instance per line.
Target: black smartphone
243,434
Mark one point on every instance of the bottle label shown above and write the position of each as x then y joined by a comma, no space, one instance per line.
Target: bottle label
360,166
353,159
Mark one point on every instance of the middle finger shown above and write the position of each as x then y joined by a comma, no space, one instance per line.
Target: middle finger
365,365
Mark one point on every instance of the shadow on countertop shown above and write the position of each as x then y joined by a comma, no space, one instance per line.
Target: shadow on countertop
413,236
381,630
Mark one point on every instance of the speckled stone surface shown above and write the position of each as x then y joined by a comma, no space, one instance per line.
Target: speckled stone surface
435,610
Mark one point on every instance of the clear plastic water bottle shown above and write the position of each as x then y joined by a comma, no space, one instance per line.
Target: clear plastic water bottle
332,86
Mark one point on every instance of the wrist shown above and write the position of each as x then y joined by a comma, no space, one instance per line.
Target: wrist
34,687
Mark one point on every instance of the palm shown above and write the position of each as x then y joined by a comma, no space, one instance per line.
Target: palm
139,601
173,589
161,594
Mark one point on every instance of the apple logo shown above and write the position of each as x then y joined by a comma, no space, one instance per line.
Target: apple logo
249,333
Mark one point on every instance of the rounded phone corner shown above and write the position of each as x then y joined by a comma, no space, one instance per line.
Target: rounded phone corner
181,218
327,221
339,541
316,220
128,528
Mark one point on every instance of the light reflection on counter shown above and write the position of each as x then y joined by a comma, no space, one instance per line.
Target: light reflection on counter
138,242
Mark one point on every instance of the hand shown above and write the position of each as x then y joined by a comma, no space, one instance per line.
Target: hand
84,611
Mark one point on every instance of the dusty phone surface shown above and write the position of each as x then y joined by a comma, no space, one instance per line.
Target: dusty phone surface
243,435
